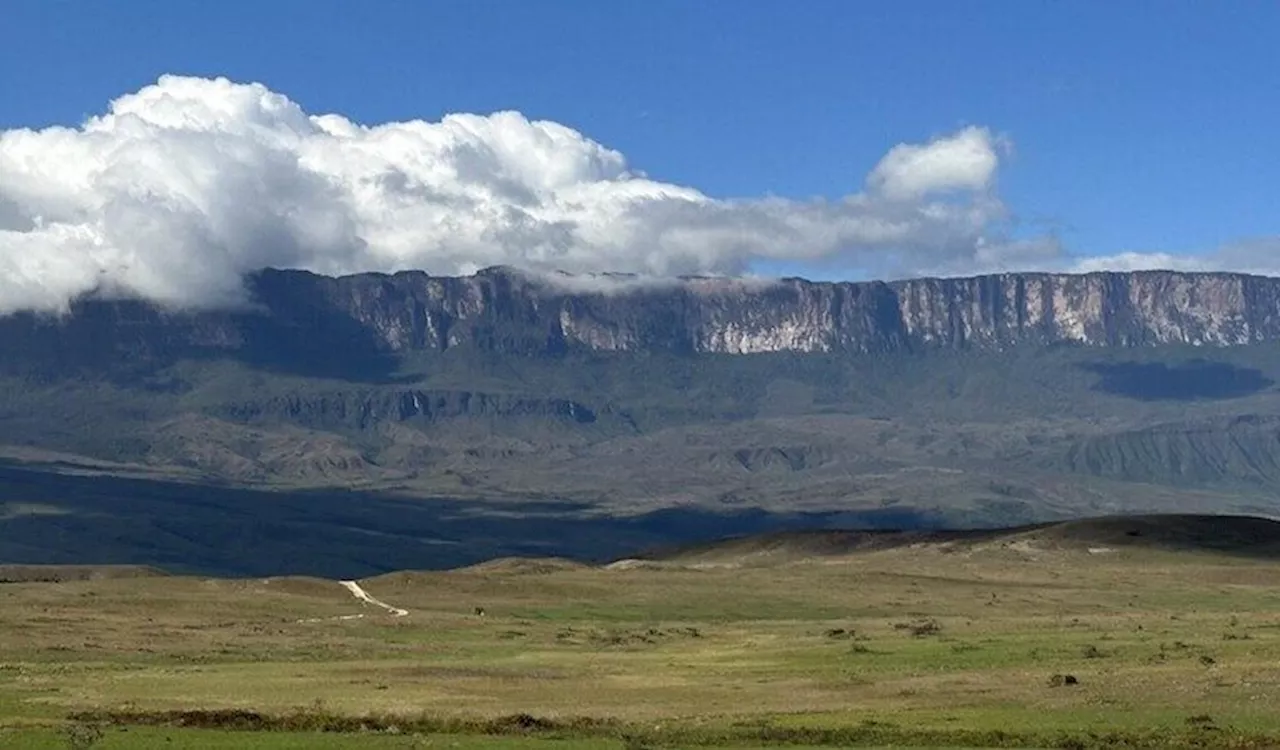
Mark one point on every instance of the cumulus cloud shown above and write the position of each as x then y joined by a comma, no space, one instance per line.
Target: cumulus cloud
623,283
179,189
966,160
1259,256
1132,261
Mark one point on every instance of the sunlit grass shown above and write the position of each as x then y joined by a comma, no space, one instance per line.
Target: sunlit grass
921,647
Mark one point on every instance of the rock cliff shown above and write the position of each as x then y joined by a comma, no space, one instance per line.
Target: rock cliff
306,317
477,387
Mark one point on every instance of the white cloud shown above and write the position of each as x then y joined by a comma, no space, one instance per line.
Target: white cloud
1132,261
181,188
966,160
1257,256
623,283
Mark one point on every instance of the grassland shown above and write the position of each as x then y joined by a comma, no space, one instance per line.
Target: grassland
934,646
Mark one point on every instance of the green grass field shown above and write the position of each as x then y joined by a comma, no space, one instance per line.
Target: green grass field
909,648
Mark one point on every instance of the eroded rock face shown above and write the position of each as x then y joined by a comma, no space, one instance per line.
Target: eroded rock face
500,309
1114,309
303,315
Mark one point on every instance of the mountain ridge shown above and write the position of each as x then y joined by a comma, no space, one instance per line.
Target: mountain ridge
381,316
992,400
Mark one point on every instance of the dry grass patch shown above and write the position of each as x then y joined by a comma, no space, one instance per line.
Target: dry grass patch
918,642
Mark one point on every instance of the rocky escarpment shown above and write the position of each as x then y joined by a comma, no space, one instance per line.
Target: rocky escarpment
503,310
1242,450
301,317
360,410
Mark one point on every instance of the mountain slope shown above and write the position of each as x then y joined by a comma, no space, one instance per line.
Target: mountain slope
992,400
294,317
1237,536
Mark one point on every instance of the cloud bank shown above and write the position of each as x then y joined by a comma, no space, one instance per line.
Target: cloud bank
1257,256
179,189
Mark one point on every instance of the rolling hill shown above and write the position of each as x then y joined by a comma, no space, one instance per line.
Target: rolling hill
1232,536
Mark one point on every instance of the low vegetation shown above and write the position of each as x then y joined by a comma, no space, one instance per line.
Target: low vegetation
997,645
956,438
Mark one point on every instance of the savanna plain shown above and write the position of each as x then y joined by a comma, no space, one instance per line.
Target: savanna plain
1062,636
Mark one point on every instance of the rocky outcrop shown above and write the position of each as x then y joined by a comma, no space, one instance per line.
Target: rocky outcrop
360,410
1112,309
1237,450
327,323
503,310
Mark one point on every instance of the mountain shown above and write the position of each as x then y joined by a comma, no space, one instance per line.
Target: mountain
993,400
294,318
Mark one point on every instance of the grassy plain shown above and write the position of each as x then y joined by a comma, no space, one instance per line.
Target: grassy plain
936,646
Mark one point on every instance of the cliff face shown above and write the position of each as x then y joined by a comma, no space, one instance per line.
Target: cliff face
306,316
1110,309
502,310
369,380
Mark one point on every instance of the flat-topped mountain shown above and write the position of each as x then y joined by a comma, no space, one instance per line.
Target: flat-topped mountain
501,310
993,400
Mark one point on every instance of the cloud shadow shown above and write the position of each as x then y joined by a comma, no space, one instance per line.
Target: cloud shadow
1188,381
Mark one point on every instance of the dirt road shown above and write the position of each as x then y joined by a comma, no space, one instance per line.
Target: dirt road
363,596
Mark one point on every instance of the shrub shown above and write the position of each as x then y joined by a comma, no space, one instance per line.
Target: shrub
920,628
632,742
82,736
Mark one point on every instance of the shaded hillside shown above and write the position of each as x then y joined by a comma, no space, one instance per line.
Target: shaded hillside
985,438
1241,450
1241,536
215,530
1246,536
60,573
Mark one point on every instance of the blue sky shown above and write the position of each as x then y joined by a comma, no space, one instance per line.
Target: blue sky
1146,127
